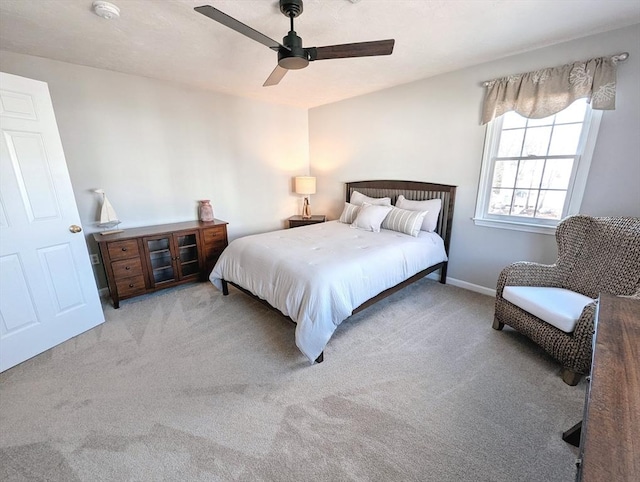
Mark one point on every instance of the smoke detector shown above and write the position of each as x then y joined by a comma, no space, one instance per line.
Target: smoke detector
105,9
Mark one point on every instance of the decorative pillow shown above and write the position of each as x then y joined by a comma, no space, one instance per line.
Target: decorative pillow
404,221
359,199
432,206
370,217
349,213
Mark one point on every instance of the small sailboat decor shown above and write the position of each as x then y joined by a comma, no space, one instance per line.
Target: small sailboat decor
108,216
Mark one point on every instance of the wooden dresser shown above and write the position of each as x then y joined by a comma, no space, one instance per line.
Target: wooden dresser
142,260
610,444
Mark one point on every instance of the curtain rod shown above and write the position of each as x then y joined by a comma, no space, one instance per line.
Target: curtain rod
618,58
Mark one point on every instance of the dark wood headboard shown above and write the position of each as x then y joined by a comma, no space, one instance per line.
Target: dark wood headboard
415,191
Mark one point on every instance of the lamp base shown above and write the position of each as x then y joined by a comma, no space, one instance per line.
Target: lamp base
306,209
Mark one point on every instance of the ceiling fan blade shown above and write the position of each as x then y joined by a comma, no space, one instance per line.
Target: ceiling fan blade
233,24
275,77
360,49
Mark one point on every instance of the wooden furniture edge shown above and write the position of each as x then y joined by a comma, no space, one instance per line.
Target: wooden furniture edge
609,444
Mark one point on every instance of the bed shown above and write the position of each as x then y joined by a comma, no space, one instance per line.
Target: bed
319,275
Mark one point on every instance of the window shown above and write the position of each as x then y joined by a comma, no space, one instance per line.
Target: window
534,170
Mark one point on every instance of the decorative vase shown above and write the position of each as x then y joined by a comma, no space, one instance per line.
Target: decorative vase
205,210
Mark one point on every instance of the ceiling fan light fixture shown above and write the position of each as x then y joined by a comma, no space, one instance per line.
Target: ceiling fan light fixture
105,10
293,63
293,57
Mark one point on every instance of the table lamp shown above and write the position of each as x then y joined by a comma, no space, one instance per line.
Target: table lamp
306,185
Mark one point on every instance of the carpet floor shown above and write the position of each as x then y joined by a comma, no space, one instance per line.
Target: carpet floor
189,385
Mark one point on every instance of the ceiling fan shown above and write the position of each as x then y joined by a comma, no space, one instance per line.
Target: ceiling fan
291,54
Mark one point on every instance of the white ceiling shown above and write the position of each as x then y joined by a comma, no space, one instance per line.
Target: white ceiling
168,40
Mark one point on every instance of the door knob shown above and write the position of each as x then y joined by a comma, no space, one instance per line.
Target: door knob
74,228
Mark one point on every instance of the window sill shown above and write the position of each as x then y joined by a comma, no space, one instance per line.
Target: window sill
515,226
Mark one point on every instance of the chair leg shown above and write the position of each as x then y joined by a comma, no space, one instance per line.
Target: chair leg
570,377
572,436
497,324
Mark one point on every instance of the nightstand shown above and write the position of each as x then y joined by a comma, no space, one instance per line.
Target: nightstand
296,221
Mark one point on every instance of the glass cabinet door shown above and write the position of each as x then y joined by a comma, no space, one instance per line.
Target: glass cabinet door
161,258
187,246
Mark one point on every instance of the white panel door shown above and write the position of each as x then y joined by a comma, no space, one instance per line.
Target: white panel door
47,290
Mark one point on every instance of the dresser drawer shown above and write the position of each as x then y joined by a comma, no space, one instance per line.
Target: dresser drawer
130,286
126,268
123,249
212,255
215,236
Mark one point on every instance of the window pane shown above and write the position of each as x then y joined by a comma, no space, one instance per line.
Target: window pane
564,140
511,143
530,173
557,173
500,201
512,119
536,141
504,174
574,113
546,121
551,204
524,202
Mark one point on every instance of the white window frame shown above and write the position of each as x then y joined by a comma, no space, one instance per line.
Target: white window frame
575,190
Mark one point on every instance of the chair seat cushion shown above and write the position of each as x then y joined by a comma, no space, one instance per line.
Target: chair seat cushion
557,306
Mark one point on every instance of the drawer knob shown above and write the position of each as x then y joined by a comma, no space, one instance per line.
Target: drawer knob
124,249
130,285
127,268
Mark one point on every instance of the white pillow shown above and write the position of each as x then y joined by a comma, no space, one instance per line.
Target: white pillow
404,221
370,217
349,213
432,206
359,199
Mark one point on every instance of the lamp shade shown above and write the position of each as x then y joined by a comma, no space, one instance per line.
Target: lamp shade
305,185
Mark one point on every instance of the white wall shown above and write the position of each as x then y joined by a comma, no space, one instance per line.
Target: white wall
156,148
430,131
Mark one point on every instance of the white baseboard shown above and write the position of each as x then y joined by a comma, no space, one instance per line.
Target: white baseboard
464,284
471,287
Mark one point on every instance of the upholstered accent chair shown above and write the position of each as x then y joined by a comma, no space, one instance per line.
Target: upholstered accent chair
554,305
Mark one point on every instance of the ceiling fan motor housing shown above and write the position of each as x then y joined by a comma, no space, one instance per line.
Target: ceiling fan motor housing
297,57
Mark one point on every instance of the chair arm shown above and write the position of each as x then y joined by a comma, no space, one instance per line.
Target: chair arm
585,326
526,273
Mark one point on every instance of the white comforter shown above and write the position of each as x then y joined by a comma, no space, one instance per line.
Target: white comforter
318,274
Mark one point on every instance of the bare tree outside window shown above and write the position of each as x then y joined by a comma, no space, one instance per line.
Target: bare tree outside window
531,166
534,163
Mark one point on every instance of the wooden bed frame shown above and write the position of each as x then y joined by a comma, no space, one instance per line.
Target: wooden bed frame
412,190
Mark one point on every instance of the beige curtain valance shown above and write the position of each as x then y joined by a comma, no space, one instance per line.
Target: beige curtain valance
548,91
